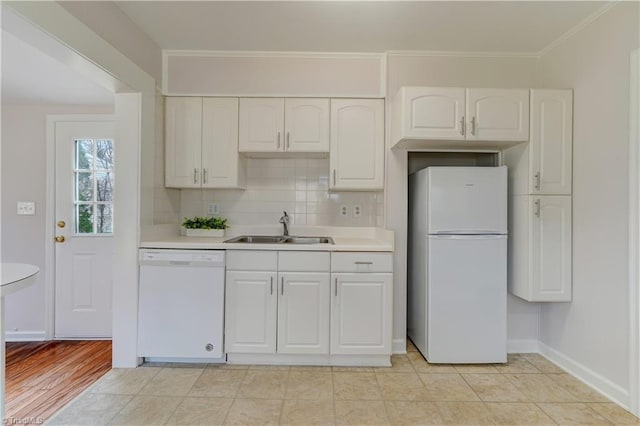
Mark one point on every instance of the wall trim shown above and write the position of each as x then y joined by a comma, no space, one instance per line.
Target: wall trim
577,28
634,233
399,346
466,54
26,336
522,346
589,377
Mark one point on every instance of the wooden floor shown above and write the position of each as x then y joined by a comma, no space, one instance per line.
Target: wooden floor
42,377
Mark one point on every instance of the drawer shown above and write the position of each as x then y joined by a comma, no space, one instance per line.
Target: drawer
361,262
241,260
304,261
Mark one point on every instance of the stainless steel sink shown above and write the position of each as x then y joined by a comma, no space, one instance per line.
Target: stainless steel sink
271,239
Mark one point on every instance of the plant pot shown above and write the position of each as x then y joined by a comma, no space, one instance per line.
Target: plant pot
203,232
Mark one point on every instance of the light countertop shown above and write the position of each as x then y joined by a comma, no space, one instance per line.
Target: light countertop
345,239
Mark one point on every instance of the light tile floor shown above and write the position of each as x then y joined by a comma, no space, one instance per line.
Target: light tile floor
528,390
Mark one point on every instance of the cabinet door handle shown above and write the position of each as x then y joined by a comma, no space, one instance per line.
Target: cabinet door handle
462,125
282,286
473,125
537,184
334,177
360,262
288,140
335,285
278,140
537,208
195,175
204,175
271,279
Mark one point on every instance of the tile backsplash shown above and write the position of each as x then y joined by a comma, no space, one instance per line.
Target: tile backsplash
297,185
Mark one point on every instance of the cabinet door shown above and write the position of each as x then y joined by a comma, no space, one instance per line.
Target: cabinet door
356,158
251,304
361,314
498,114
183,140
551,142
261,124
550,248
303,313
433,112
220,158
306,126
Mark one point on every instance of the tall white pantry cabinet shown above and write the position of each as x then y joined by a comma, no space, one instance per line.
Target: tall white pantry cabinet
540,198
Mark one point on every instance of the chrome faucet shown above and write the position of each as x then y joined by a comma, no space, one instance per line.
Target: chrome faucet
284,220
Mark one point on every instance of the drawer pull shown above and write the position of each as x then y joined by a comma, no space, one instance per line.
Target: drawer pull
336,287
359,262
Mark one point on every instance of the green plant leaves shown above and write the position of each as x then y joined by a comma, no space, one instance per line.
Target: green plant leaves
199,222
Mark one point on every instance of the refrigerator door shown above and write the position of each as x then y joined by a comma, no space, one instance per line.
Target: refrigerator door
467,299
467,200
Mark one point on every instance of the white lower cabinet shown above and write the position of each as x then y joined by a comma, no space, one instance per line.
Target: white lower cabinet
361,303
303,303
540,268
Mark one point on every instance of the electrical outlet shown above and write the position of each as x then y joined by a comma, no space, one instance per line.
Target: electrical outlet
27,208
344,210
213,208
357,210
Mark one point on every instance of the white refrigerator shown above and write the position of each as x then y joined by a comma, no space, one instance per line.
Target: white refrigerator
457,264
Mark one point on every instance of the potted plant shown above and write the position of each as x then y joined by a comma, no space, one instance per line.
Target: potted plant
199,226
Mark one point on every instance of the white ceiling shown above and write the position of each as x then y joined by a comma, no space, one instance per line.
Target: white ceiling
360,26
31,77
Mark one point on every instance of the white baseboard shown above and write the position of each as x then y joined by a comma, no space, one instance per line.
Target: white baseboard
25,336
399,346
589,377
522,346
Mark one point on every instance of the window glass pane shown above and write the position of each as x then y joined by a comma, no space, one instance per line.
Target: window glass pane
104,154
84,154
84,186
104,218
84,219
104,186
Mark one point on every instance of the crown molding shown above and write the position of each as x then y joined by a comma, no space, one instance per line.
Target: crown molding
270,54
461,54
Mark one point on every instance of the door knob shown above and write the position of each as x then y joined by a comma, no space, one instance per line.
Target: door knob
60,239
61,224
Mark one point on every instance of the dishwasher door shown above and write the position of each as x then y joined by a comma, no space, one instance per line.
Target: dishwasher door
181,304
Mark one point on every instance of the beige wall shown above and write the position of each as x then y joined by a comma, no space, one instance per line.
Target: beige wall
24,179
422,70
593,329
110,23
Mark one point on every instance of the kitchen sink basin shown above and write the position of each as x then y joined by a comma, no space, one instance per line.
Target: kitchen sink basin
279,239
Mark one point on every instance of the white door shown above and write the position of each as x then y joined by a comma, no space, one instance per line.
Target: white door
303,313
498,114
361,314
306,125
550,248
434,112
251,305
183,142
467,299
220,160
356,157
551,142
84,228
261,124
467,200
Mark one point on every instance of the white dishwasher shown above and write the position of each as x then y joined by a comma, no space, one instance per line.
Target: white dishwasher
181,305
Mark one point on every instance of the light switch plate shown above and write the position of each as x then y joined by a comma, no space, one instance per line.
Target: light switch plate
27,208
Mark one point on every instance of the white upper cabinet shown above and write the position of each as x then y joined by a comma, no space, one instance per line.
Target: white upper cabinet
497,114
183,140
433,112
261,124
306,125
551,142
433,117
284,125
356,157
202,143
